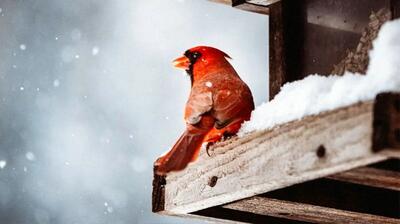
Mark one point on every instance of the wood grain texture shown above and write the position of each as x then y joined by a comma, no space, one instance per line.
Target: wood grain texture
226,2
386,123
245,5
392,153
277,72
371,177
304,212
253,8
262,2
263,161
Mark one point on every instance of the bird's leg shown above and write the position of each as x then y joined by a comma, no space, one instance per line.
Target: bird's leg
212,137
232,129
215,135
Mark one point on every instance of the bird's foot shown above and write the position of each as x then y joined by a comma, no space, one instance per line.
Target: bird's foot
208,146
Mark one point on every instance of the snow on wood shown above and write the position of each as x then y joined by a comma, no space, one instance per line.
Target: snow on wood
315,93
313,147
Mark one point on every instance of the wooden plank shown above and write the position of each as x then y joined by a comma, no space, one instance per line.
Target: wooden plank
262,2
253,8
236,216
392,153
304,212
370,177
277,71
303,150
246,5
209,219
342,195
225,2
395,6
386,121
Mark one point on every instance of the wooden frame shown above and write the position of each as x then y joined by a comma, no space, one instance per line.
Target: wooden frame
318,151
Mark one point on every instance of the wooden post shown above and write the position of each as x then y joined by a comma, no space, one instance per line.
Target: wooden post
386,122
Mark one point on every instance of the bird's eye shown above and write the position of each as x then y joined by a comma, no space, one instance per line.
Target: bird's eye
196,55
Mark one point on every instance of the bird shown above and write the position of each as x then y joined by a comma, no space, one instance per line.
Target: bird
219,102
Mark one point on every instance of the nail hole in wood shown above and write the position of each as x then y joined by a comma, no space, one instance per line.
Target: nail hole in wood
321,151
213,181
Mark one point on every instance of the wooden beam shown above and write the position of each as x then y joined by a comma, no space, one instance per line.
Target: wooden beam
386,122
392,153
277,64
370,177
303,150
304,212
247,5
262,2
253,8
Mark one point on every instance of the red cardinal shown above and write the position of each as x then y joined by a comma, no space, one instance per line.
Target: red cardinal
218,104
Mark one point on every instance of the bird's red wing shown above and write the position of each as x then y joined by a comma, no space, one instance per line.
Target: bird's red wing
199,103
232,104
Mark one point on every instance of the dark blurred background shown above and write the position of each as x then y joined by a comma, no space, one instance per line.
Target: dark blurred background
88,100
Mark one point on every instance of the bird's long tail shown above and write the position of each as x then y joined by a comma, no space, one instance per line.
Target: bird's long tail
185,150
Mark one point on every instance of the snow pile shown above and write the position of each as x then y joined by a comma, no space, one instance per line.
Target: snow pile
315,93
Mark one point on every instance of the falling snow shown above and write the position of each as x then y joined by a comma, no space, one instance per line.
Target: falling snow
95,50
3,164
30,156
56,83
209,84
77,172
22,47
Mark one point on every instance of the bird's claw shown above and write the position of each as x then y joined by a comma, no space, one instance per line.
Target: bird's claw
208,146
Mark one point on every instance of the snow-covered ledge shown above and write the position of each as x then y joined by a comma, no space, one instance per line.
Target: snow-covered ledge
261,161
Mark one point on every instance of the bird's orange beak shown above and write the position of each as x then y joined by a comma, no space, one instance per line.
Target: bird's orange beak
182,62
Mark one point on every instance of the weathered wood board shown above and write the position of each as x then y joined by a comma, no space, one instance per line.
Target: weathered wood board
313,147
247,5
304,212
370,177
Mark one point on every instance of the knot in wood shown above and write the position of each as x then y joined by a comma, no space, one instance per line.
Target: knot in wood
213,181
321,151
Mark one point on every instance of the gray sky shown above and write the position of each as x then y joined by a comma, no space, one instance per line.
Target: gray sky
88,100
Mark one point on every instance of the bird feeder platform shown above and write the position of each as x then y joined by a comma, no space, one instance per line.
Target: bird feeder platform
339,166
336,146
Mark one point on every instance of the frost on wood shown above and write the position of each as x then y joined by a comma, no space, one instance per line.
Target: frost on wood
315,93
